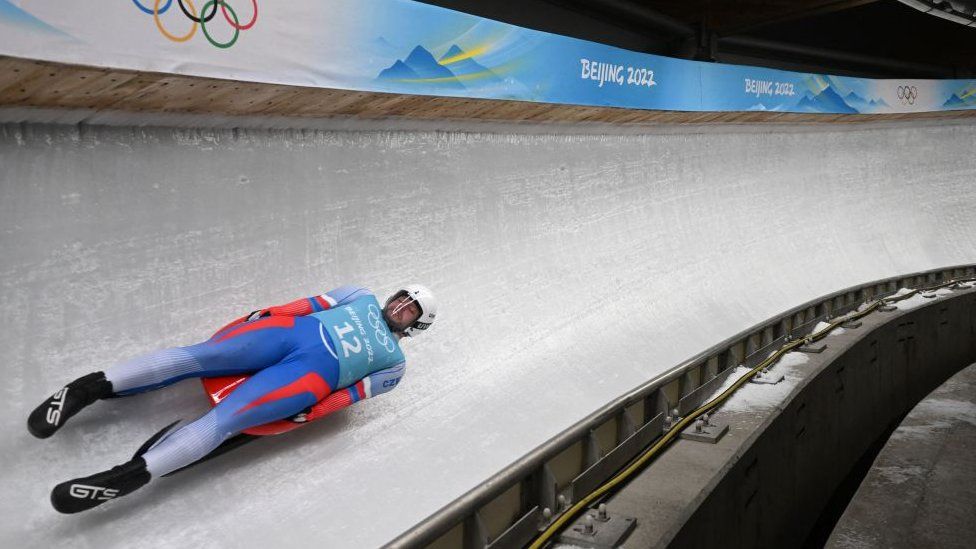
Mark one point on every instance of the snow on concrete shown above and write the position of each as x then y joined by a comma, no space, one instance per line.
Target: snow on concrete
894,474
903,292
933,415
921,299
760,396
822,325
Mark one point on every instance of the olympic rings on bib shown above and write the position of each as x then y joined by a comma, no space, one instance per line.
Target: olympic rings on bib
206,15
373,316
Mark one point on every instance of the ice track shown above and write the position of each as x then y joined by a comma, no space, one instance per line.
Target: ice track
570,269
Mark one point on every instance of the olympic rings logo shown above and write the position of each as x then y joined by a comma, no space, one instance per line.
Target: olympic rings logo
907,94
205,16
373,317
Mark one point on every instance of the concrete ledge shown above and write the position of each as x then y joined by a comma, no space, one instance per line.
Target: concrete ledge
921,490
790,445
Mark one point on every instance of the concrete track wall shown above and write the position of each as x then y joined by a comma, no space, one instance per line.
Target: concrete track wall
571,268
773,490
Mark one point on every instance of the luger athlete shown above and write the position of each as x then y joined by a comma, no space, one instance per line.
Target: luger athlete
308,358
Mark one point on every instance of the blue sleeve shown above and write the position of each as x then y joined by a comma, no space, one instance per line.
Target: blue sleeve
374,384
345,294
383,381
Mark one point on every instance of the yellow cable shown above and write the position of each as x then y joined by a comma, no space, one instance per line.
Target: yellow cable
675,429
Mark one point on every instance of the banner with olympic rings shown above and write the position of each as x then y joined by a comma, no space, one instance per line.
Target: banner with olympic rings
402,46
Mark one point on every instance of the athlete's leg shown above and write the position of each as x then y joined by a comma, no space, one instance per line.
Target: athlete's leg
303,378
238,349
274,393
245,348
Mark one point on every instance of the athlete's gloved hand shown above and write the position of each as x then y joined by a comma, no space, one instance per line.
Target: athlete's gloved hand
254,315
301,417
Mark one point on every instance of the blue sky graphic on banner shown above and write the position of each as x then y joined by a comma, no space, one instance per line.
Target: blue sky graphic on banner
402,46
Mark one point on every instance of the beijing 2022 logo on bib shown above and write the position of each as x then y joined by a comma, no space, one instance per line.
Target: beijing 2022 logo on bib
375,319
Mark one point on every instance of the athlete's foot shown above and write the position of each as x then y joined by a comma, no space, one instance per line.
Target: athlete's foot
53,412
82,494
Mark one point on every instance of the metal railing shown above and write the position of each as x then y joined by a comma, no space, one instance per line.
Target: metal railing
510,508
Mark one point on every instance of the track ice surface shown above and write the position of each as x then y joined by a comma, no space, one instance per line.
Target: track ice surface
570,269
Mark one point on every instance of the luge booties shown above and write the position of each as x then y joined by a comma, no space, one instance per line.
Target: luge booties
84,493
47,418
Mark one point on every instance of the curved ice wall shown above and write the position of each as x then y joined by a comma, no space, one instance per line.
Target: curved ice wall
571,268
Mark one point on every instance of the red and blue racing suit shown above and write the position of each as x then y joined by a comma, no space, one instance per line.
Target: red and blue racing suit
315,355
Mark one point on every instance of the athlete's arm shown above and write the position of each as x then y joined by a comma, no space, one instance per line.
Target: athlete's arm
313,304
305,305
345,294
374,384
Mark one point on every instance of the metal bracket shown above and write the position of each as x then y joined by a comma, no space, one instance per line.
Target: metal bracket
592,445
520,533
475,534
547,485
598,529
813,349
852,325
710,431
886,308
603,469
765,378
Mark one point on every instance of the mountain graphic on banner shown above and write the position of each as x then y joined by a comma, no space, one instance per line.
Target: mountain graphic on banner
859,103
467,68
420,67
955,101
10,13
827,100
398,71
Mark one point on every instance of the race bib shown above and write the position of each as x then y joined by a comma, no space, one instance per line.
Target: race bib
360,339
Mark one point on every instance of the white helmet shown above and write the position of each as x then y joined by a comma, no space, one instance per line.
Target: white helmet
424,299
